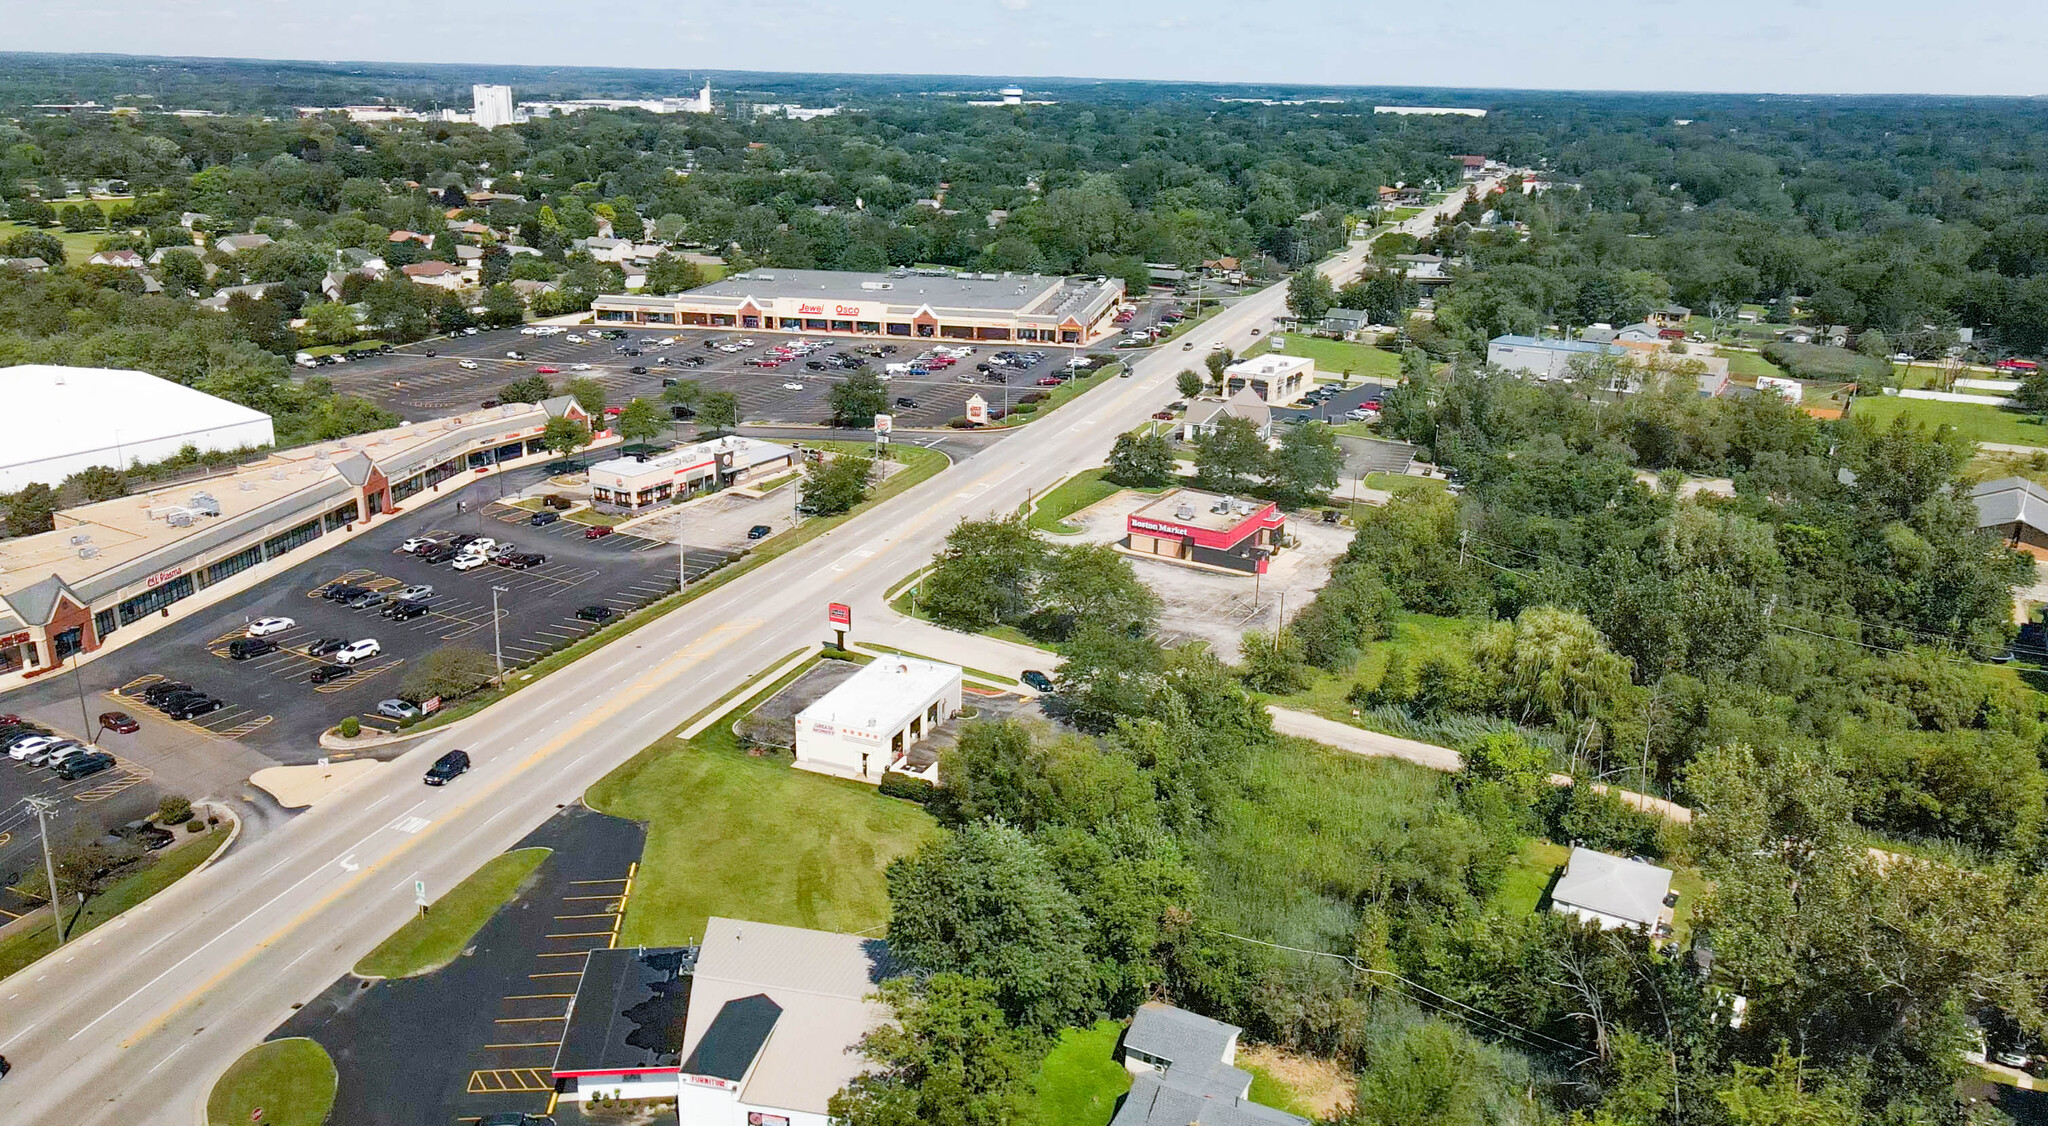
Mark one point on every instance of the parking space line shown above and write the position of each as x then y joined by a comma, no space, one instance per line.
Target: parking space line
528,1020
534,1044
583,934
558,973
599,915
570,953
539,996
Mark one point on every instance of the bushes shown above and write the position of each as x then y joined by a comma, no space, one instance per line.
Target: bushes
174,809
903,786
349,727
1834,365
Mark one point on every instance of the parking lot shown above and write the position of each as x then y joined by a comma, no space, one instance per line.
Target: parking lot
417,385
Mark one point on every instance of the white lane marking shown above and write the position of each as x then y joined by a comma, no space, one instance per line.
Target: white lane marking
413,824
24,1032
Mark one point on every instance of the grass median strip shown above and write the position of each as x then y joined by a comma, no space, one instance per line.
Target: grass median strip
434,939
279,1083
24,947
1061,395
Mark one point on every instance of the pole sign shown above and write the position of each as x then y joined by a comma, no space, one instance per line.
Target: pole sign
883,423
840,615
419,892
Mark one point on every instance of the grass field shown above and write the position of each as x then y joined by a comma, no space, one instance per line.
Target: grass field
753,838
1080,1080
1402,482
1521,890
1270,1091
433,940
291,1082
78,245
1979,424
1336,357
26,946
1749,365
1068,497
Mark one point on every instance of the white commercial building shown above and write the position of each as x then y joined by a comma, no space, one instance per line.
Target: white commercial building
1275,378
868,725
68,419
633,482
775,1019
493,105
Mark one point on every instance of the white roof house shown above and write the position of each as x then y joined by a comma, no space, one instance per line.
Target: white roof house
1611,891
75,418
869,723
775,1017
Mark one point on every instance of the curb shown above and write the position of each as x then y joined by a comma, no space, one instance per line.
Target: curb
234,834
332,742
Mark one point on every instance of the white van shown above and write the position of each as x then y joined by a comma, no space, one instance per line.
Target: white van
897,369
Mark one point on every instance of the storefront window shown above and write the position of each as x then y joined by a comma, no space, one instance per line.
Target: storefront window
233,565
750,321
150,601
103,623
67,643
408,487
340,517
899,330
443,471
297,537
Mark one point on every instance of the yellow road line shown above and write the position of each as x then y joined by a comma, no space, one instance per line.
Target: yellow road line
601,915
559,973
582,934
620,880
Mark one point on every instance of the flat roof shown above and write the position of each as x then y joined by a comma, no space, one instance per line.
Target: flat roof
130,529
103,407
1556,345
1005,294
745,452
1167,509
884,690
628,1012
1268,365
818,982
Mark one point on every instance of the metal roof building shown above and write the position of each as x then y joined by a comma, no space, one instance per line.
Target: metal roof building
1611,891
77,418
1183,1074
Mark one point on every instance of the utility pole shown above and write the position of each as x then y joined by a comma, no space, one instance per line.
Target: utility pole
497,634
78,683
42,808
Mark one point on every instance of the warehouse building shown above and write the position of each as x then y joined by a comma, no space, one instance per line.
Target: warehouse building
917,305
635,482
872,722
109,564
775,1022
1207,530
76,418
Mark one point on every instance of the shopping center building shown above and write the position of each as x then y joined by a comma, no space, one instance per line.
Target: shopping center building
927,305
110,565
637,482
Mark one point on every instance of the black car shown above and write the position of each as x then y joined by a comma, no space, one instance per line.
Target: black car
636,369
447,768
192,709
668,381
342,592
815,365
543,519
462,541
243,648
405,611
521,560
177,700
692,361
906,402
599,614
326,673
759,532
158,692
81,766
325,646
1037,680
440,554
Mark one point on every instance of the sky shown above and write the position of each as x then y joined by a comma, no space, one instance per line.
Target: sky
1761,46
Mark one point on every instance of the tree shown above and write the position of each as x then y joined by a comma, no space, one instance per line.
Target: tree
947,1057
1092,583
1189,383
2032,397
564,435
449,672
836,485
720,411
857,399
31,509
1519,766
1783,1095
526,389
98,483
330,322
683,393
1552,664
588,393
86,864
987,574
1141,462
1310,294
503,305
1106,675
1272,661
1872,343
1231,455
1216,361
670,274
79,218
1304,469
641,421
985,902
36,244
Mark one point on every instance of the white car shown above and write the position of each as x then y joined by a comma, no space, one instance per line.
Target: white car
792,387
357,651
263,627
530,330
1216,347
27,748
479,546
414,544
417,592
468,562
573,338
466,365
579,367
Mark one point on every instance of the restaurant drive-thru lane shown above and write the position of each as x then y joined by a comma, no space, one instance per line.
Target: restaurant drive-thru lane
135,1027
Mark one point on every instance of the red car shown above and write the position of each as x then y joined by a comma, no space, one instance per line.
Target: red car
546,370
1049,381
614,412
596,532
120,722
1163,416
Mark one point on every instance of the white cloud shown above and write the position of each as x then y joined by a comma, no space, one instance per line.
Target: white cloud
1015,5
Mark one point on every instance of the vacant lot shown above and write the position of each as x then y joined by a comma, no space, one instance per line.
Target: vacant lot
1335,357
1979,424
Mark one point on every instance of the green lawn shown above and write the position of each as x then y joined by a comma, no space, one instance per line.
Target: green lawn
1072,495
594,518
1336,357
1062,394
430,941
970,670
753,838
1269,1091
1080,1080
1521,890
1402,482
78,245
280,1083
1979,424
24,947
1749,365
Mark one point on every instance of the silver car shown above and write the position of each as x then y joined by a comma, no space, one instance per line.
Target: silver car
418,592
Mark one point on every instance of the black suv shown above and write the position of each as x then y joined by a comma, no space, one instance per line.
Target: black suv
405,611
907,403
243,648
447,768
162,690
325,673
342,592
599,614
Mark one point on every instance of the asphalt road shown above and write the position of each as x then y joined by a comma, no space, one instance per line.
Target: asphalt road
134,1023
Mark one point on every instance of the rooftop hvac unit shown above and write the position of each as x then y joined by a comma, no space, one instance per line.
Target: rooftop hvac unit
204,502
182,518
88,552
246,485
81,538
1222,505
277,474
1186,511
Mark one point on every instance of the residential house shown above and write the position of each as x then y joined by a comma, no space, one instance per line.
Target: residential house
1670,316
1797,334
29,265
1345,323
518,250
1471,167
219,301
530,290
441,275
2016,509
1598,333
1203,414
1641,332
1183,1073
190,219
1423,269
472,229
616,250
1838,336
332,284
1402,196
412,236
119,259
466,255
1614,892
235,244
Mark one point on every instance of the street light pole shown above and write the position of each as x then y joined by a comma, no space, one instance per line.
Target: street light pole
497,634
78,683
42,808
